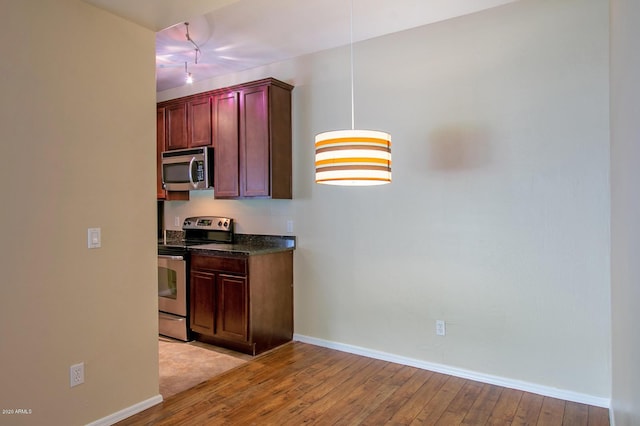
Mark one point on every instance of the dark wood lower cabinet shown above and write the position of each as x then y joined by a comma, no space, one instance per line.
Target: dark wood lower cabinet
203,286
242,303
232,303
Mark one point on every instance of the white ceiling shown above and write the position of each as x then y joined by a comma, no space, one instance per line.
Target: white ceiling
235,35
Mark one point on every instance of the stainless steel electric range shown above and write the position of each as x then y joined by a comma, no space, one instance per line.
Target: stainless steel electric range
173,270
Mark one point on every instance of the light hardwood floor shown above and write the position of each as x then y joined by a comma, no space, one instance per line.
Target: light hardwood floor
300,383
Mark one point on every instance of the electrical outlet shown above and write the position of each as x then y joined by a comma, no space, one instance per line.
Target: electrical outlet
440,328
176,221
76,374
289,226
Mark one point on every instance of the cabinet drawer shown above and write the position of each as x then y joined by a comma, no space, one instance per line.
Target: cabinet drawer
232,265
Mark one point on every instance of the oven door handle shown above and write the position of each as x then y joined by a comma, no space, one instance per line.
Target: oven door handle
167,256
170,317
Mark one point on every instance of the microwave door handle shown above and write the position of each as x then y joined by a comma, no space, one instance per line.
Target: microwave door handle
191,172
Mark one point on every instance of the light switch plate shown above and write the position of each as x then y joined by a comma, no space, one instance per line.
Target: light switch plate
94,239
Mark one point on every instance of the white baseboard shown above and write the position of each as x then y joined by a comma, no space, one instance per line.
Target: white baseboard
459,372
127,412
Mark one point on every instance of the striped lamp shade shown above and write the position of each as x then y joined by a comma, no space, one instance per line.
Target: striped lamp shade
353,157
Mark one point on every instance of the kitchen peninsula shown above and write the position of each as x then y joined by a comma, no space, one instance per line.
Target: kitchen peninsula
242,295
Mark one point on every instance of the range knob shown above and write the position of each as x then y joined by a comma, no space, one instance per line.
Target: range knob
220,223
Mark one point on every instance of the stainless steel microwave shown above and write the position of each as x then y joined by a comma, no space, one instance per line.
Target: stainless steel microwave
187,169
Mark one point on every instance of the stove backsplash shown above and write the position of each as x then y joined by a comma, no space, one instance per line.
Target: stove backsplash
259,216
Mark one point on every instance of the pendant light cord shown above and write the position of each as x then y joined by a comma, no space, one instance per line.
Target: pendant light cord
353,124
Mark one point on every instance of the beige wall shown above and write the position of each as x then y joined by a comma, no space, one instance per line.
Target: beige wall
77,117
625,210
497,219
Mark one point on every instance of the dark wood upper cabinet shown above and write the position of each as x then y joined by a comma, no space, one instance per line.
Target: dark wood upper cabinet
226,171
254,142
249,127
188,122
257,152
176,116
265,141
199,113
162,141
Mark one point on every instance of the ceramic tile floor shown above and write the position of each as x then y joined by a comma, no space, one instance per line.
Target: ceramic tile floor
186,364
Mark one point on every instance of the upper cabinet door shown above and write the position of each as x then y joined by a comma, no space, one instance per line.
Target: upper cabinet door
226,181
199,112
176,116
255,152
265,141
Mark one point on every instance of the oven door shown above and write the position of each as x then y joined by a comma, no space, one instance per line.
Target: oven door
172,285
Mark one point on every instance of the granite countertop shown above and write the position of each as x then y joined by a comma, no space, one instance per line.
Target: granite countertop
245,244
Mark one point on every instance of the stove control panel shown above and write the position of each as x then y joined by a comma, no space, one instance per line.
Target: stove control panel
208,223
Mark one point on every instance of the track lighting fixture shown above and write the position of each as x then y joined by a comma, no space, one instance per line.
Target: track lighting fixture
188,75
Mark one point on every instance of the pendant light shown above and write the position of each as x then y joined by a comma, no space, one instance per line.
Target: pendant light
353,157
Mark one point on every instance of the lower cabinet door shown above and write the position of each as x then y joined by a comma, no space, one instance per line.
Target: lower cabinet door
232,308
203,302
